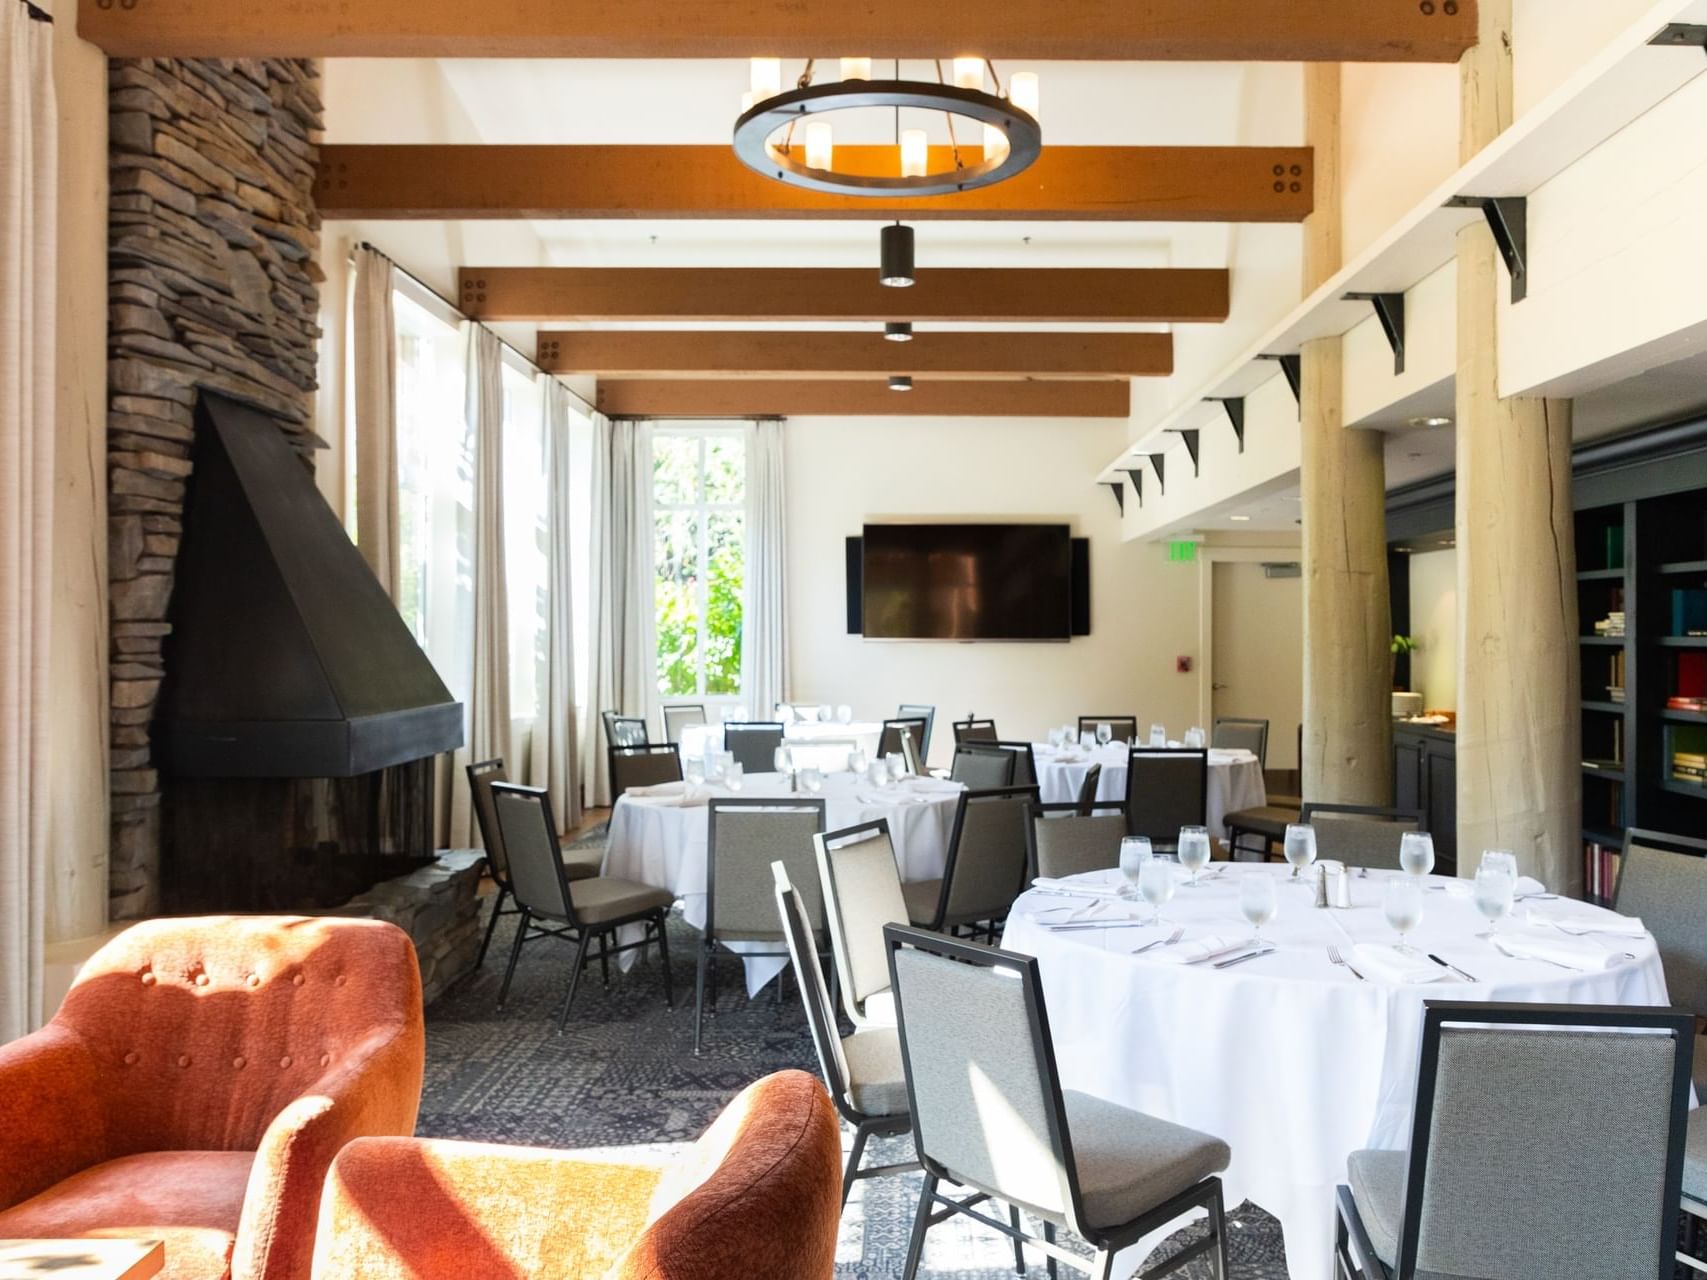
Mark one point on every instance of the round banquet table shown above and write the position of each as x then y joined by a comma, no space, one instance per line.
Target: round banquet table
660,840
825,742
1235,778
1290,1059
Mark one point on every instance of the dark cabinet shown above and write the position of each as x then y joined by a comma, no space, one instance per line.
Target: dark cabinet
1425,778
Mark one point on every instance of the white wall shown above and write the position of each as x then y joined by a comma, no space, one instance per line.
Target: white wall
1434,622
1398,141
843,472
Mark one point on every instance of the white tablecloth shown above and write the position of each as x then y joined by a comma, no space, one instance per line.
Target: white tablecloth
806,736
659,841
1235,779
1290,1059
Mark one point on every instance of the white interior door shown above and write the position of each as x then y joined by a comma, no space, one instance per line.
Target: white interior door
1258,657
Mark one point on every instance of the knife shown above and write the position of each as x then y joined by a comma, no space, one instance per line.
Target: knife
1444,964
1249,955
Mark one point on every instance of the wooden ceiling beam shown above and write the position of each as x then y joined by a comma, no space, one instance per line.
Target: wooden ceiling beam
1035,295
1200,30
724,398
792,355
1089,184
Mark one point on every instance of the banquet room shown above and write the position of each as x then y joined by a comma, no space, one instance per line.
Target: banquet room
822,641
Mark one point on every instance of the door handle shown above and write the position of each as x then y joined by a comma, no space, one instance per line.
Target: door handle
1217,685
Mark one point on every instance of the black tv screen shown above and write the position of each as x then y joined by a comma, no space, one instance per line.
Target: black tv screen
967,582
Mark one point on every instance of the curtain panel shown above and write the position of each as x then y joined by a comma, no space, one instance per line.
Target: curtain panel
373,352
556,754
764,627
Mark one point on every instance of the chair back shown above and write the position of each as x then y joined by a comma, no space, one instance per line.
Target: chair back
745,838
1088,791
1025,763
1663,879
1238,733
645,766
986,865
862,893
982,767
895,732
679,717
920,711
529,832
970,730
801,937
753,744
1542,1146
624,731
1121,728
981,1079
481,776
1360,835
1166,788
1064,841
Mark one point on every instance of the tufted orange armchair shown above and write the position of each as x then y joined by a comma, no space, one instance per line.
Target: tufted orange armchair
197,1082
759,1195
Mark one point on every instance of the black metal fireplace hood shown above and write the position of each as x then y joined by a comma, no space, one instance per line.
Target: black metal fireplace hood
287,659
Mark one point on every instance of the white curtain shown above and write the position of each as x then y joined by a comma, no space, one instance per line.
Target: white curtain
373,342
555,753
621,587
764,625
29,150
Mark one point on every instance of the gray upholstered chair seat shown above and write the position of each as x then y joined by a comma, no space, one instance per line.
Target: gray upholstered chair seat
1265,820
1128,1162
921,898
877,1081
583,864
606,898
1695,1157
1377,1181
1701,1070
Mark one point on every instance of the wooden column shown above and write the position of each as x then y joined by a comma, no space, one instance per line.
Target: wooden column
1348,749
1519,678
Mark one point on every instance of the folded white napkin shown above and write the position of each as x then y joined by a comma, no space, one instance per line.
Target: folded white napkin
1382,962
932,786
1232,755
1192,950
1527,887
658,789
1086,887
1574,953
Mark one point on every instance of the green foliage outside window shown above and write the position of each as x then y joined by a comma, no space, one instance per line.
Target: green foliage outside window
698,486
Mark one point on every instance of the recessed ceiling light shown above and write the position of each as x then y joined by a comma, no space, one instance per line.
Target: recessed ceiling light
899,331
1431,420
1240,519
899,382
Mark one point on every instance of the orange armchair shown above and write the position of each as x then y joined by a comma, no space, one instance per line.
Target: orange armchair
758,1195
197,1082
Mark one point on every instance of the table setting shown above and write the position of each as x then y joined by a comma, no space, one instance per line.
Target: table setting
1235,776
824,734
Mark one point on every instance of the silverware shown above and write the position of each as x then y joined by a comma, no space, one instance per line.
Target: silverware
1342,962
1249,955
1447,964
1542,959
1168,941
1077,925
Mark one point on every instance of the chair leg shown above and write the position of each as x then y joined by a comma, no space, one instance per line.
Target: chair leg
515,954
850,1173
1102,1265
1218,1225
604,958
574,979
1049,1236
492,925
921,1224
1019,1249
664,960
699,996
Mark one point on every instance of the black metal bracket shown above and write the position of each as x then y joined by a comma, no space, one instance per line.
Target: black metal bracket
1390,311
1191,437
1119,491
1156,461
1137,475
1682,34
1508,219
1235,407
1293,368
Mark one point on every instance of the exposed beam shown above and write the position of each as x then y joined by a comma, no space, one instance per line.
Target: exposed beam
677,398
1027,295
795,355
1091,184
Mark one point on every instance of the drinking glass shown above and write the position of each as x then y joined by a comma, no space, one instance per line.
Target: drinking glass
732,775
858,760
783,758
1158,735
1416,853
1495,887
714,766
1105,734
812,779
844,714
1300,847
1194,850
1258,900
877,773
693,771
1088,740
1069,735
1502,859
1157,880
1402,903
897,765
824,714
1134,853
1194,738
784,713
1055,739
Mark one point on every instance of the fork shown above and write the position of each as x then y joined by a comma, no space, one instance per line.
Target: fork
1168,941
1342,962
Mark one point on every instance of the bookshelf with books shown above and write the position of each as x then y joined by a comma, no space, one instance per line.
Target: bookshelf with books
1605,551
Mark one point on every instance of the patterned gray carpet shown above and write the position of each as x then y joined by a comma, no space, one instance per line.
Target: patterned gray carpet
624,1076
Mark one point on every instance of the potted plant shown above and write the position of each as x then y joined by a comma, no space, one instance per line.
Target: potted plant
1401,644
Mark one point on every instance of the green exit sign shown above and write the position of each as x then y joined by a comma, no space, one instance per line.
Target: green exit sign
1182,551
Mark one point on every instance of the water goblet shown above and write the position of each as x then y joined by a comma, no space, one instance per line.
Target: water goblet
733,774
1088,740
844,714
897,765
877,773
1495,888
1055,739
825,713
1194,850
1194,738
857,760
1503,859
1258,900
1157,880
1135,851
1105,734
1158,735
1402,904
1300,847
812,778
1416,853
693,772
783,758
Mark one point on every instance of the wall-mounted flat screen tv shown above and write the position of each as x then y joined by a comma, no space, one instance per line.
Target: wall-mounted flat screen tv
967,582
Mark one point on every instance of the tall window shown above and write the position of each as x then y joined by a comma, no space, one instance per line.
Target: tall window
524,538
699,489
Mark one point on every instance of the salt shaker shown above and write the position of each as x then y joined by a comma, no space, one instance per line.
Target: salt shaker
1321,886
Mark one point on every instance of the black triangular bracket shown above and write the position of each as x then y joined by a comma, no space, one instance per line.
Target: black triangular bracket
1235,407
1156,462
1390,311
1682,34
1119,491
1508,219
1137,476
1191,437
1293,368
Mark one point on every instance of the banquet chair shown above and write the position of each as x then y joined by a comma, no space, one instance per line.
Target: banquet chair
1121,728
970,730
680,716
862,1071
578,912
1241,733
895,733
1088,791
1360,835
744,839
1166,788
1106,1173
986,865
624,731
862,892
982,766
1062,840
643,767
1025,762
579,864
1259,829
1540,1146
753,744
920,711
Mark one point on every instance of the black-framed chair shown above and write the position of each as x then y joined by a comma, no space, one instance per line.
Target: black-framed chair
645,766
1062,840
1360,835
678,716
1089,785
1241,733
744,838
1025,763
1540,1146
920,711
986,865
1166,788
578,911
1108,1174
862,1071
862,892
753,743
624,731
1120,728
896,735
982,766
974,730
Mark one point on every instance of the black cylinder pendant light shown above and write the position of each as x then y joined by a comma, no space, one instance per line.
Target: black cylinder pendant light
898,331
900,382
897,256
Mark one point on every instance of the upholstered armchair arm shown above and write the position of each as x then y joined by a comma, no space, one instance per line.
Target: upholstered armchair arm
403,1208
52,1116
374,1091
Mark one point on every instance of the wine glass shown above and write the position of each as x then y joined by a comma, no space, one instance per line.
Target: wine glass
1135,851
1300,847
1495,889
1157,880
1194,850
897,765
1258,900
693,771
1105,734
1158,735
877,773
733,774
857,760
1055,739
825,712
1416,853
1402,903
1503,859
812,778
783,758
714,766
1088,740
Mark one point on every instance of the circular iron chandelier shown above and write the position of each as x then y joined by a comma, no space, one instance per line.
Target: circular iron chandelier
776,134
